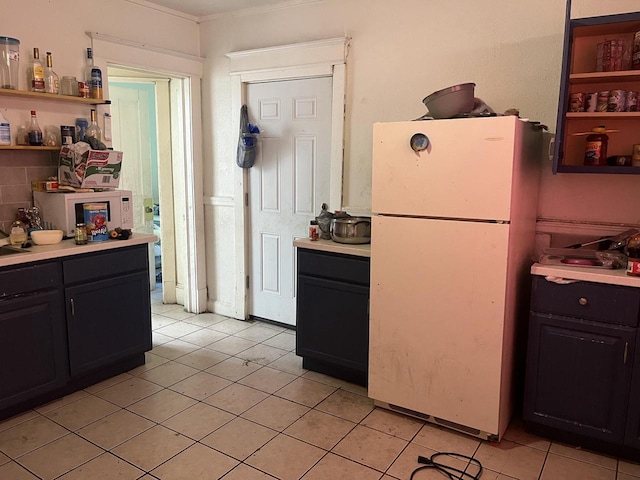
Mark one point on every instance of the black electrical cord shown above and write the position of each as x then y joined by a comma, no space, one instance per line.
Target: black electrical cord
447,470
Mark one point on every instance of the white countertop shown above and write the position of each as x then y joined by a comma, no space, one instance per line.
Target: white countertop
616,276
68,247
360,250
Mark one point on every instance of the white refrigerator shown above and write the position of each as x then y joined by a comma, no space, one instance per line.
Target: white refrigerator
453,235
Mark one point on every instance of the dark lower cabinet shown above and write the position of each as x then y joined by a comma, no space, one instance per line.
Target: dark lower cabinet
68,323
583,373
332,314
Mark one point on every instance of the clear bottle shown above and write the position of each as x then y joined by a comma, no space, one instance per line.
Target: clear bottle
18,233
88,66
34,131
51,79
93,130
35,73
5,131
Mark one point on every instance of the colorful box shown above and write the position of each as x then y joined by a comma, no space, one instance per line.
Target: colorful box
89,169
95,219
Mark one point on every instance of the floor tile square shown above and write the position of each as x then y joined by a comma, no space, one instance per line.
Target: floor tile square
196,462
320,429
290,363
203,337
262,354
256,333
59,457
202,359
198,421
407,462
511,459
285,458
206,319
236,398
162,405
444,440
245,472
158,339
276,413
284,341
152,447
557,467
231,326
267,379
60,402
239,438
333,466
178,329
233,368
336,382
104,467
173,348
168,373
370,447
305,392
109,382
83,412
115,429
4,459
18,419
201,385
27,436
158,321
347,405
393,423
13,471
517,433
583,455
130,391
629,467
179,314
163,308
151,361
231,345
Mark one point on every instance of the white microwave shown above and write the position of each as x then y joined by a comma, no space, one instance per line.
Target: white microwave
62,211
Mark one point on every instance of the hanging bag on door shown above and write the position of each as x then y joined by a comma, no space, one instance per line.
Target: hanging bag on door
247,143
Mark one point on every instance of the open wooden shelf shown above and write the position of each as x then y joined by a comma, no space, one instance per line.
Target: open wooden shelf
605,77
29,147
53,97
610,115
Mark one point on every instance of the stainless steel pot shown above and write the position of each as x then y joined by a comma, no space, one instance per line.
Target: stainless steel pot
351,230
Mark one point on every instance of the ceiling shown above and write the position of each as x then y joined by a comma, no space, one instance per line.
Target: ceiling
208,8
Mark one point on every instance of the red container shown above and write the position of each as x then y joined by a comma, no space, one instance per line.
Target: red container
596,147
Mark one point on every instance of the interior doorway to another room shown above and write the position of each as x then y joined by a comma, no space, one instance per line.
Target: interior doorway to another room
140,123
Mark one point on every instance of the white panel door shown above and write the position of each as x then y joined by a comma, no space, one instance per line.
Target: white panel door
465,172
437,317
287,185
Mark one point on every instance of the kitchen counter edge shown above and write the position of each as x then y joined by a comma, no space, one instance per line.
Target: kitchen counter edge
360,250
598,275
68,248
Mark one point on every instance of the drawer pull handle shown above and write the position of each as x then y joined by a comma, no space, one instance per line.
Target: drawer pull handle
582,301
626,352
73,308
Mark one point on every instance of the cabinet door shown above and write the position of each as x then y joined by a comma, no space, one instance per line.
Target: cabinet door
578,375
108,320
333,322
33,346
632,432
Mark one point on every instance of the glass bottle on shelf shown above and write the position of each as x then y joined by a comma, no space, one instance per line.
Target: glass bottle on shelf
88,66
34,131
35,72
93,130
51,79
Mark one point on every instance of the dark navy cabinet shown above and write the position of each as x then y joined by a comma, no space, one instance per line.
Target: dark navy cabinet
68,323
583,371
332,314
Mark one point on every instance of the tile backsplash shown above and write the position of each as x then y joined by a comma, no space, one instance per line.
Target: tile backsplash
17,169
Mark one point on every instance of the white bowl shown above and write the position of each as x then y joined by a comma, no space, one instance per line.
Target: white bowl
46,237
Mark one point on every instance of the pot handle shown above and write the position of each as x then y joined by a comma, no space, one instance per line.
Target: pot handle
362,221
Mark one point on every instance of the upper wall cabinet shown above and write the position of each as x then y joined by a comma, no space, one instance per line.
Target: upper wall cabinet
597,75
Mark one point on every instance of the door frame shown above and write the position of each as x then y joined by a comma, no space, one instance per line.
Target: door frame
319,58
186,73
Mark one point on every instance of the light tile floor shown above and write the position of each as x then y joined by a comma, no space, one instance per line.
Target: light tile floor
224,399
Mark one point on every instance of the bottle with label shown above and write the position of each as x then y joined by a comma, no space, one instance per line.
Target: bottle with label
632,250
93,76
5,131
596,147
51,79
34,131
35,73
93,130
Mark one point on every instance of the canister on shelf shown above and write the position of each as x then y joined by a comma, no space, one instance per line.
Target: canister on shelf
596,147
632,101
591,101
576,102
603,101
617,101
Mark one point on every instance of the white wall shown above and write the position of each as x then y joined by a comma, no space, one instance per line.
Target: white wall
400,52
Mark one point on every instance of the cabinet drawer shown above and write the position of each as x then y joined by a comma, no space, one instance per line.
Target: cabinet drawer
591,301
105,264
347,268
29,278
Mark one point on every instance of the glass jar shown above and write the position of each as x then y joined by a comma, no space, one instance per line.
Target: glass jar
18,233
81,234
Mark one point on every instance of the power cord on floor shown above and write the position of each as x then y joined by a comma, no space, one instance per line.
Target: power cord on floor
447,470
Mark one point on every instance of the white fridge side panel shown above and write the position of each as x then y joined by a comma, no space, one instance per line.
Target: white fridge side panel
466,172
437,317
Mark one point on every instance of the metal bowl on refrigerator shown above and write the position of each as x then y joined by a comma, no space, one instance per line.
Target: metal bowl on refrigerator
351,230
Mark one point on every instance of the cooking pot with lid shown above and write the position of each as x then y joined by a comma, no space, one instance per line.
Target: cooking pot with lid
351,229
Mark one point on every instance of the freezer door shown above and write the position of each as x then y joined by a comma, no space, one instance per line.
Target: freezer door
465,172
437,318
